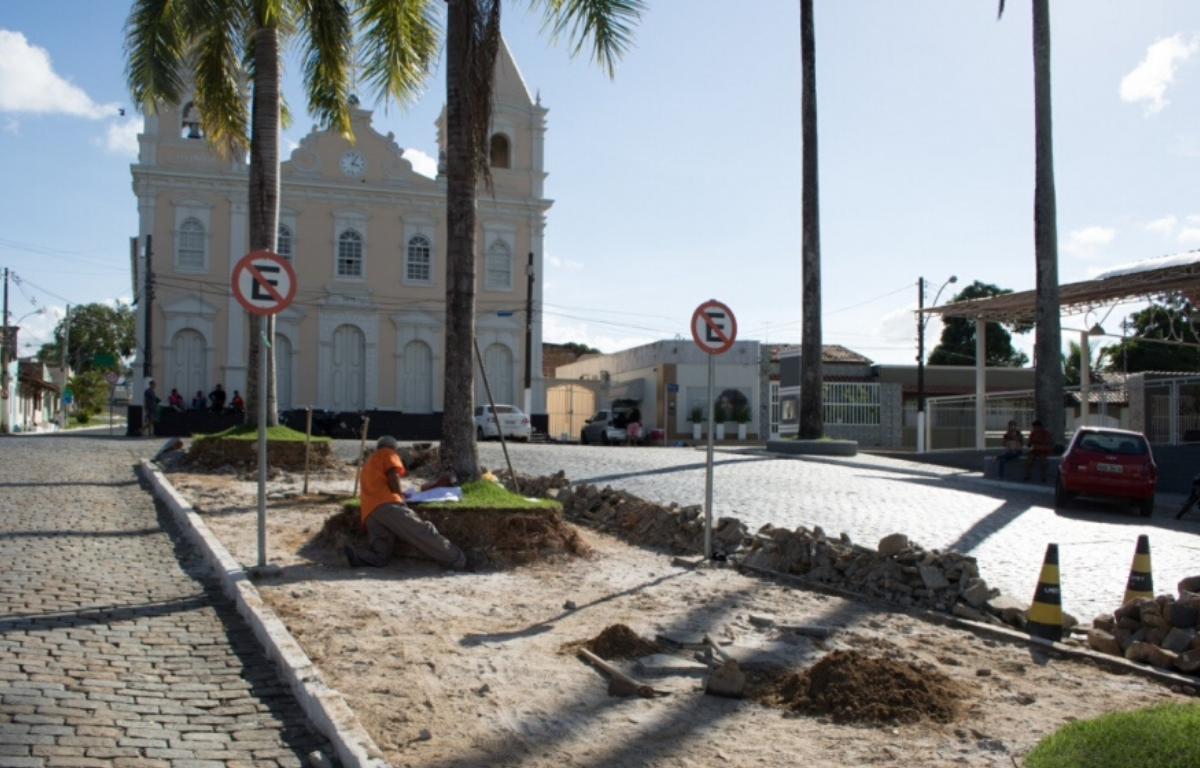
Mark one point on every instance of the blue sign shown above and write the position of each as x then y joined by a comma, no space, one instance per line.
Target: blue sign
672,387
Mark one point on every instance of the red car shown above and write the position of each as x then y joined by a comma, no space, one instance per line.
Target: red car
1115,463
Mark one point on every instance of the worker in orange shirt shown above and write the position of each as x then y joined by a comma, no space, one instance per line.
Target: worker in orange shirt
386,516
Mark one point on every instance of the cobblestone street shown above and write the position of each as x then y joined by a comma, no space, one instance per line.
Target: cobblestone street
116,649
1005,525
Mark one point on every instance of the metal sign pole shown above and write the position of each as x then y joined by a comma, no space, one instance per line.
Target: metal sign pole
262,452
708,464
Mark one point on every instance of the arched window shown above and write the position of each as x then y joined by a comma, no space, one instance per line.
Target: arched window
499,266
500,151
350,254
189,253
283,242
418,267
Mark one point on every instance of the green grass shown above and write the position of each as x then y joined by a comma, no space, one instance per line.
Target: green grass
482,494
1162,736
250,433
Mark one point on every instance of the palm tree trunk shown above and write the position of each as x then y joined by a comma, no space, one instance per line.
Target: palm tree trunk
1048,392
459,454
812,419
263,203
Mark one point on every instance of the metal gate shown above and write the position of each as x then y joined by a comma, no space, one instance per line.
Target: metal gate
568,406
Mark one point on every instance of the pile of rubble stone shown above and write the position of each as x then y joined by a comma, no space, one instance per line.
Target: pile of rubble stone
898,571
1161,631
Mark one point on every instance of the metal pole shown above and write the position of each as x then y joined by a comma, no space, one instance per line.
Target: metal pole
62,409
307,444
920,365
262,452
148,295
708,471
4,360
529,336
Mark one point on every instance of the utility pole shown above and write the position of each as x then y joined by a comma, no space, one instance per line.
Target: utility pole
148,295
529,335
62,408
4,362
920,365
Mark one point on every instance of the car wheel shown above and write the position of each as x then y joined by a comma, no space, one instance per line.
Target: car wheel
1146,507
1061,497
583,437
479,434
604,439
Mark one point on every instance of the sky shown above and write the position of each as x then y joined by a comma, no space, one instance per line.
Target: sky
678,180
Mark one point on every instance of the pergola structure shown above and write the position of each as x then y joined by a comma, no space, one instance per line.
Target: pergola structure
1149,280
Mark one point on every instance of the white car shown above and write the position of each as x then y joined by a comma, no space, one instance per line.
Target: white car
512,419
608,427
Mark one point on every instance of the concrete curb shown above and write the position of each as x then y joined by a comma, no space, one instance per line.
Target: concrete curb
323,705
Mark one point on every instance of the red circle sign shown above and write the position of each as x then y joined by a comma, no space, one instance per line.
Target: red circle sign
263,282
714,328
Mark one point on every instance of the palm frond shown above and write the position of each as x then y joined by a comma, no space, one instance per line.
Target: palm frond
328,35
1001,11
155,45
399,42
607,24
221,77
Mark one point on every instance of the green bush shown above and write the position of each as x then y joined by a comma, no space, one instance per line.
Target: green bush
83,417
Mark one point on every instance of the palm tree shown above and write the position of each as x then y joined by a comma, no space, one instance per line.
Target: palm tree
217,47
812,416
472,41
1047,347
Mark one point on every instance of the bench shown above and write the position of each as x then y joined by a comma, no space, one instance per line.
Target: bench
1014,469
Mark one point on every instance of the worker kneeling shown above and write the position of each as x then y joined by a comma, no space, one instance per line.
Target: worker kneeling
386,516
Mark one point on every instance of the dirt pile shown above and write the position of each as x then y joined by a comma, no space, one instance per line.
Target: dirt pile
500,537
216,453
848,686
618,641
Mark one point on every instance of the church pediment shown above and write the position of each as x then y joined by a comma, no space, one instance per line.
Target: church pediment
190,305
372,158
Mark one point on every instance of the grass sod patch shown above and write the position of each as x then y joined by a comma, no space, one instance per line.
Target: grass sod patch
483,495
278,433
1162,736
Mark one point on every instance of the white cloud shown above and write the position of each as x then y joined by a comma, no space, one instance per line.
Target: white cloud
558,263
28,83
1084,242
1163,226
121,138
1189,235
1149,80
421,162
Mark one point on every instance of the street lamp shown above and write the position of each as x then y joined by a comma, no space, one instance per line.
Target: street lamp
922,321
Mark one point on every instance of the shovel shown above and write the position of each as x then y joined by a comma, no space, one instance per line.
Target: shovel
619,683
726,679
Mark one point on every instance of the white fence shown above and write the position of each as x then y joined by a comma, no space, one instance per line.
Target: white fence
845,404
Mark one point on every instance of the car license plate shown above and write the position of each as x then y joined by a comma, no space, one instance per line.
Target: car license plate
1114,468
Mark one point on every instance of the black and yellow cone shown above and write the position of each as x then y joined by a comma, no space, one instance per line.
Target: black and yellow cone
1045,615
1141,582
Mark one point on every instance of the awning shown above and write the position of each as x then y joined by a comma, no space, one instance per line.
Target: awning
628,390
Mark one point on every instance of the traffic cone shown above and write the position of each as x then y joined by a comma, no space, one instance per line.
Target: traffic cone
1141,583
1045,615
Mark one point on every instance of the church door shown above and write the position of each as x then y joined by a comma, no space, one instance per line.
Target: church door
348,377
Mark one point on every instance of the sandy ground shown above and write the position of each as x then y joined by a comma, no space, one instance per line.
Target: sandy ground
452,669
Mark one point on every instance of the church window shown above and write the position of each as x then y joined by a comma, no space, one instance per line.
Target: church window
189,252
350,254
500,151
499,267
418,264
283,242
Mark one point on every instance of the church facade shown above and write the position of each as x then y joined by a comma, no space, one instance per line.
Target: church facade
366,237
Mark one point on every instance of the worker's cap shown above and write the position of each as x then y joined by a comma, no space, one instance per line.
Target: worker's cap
387,441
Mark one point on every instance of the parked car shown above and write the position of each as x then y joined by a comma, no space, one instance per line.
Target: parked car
512,419
1113,463
608,425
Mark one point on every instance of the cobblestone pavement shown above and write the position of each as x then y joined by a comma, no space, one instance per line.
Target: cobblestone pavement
116,649
1006,525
